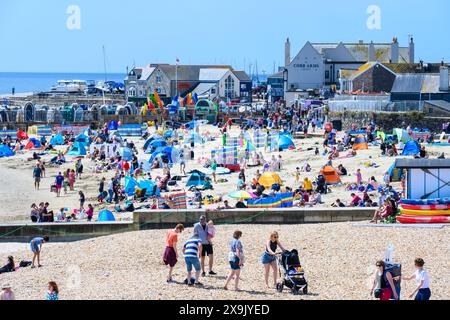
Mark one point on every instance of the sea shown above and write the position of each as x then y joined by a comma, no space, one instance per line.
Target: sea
43,82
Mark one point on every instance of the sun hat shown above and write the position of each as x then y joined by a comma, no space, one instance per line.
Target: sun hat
6,286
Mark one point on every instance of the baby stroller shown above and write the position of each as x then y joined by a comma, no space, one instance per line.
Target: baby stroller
293,274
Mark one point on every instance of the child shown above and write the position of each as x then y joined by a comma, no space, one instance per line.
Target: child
211,231
61,215
358,177
297,175
317,151
53,291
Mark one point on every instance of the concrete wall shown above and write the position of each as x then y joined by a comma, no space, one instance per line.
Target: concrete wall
167,218
163,219
63,231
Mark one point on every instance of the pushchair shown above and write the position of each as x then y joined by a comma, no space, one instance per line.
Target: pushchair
293,276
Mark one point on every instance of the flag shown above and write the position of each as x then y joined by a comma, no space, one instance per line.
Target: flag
175,101
158,100
185,100
189,99
151,106
144,110
195,97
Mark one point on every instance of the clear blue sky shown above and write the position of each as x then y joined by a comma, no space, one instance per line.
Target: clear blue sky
34,37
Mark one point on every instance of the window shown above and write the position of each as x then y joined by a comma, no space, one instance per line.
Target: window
158,90
430,110
327,74
229,87
213,91
158,79
132,92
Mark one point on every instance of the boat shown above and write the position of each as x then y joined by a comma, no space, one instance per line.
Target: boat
70,86
418,219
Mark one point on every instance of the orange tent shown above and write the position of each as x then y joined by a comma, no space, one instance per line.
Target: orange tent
331,175
361,143
269,178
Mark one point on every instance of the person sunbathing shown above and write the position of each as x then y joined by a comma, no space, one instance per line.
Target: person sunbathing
384,212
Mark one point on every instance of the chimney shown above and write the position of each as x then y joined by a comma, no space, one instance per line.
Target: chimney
372,52
287,53
411,50
394,50
444,81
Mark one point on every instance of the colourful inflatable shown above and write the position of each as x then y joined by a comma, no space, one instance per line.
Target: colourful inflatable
425,201
425,212
418,219
426,206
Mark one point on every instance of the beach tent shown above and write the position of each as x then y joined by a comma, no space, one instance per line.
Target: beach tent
154,145
151,139
381,135
78,149
411,148
22,135
57,140
402,135
5,151
152,189
105,216
126,154
197,178
331,175
169,134
268,179
285,143
83,139
170,152
130,186
33,144
360,143
113,125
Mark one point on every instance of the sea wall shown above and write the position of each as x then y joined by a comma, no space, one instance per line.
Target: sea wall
164,219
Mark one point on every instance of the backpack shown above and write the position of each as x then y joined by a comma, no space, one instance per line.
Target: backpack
395,269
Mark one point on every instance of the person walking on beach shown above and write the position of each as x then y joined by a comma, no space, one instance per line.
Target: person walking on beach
7,293
52,292
236,259
201,230
82,200
358,177
192,251
269,258
79,167
59,183
36,247
385,283
72,180
37,174
420,275
170,257
214,169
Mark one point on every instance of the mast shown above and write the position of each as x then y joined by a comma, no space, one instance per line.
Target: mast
104,61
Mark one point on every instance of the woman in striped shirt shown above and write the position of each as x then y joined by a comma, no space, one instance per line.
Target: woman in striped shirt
192,250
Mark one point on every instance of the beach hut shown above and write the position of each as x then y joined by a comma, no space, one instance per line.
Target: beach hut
360,143
5,151
106,216
268,179
57,140
331,175
411,148
77,150
197,178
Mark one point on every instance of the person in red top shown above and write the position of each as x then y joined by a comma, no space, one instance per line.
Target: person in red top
170,257
355,200
126,166
384,212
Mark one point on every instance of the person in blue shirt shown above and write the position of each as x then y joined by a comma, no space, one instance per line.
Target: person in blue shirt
59,183
36,247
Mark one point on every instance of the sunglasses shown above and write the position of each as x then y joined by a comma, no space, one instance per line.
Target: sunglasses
379,265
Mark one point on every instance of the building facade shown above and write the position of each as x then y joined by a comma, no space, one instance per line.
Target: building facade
318,65
168,81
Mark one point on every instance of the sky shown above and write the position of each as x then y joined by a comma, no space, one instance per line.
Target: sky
43,36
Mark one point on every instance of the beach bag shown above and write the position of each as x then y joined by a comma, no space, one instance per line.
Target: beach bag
24,264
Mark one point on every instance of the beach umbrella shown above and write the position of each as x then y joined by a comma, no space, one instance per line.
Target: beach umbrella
240,194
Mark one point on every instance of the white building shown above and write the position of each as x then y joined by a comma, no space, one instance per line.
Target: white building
317,65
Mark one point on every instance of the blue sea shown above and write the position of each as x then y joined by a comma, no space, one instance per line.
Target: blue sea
39,82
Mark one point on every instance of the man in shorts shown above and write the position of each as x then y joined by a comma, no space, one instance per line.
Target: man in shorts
36,247
201,230
37,172
59,183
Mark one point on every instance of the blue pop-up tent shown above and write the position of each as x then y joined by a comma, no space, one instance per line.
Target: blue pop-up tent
57,140
78,149
106,216
155,144
5,151
126,154
411,148
113,125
